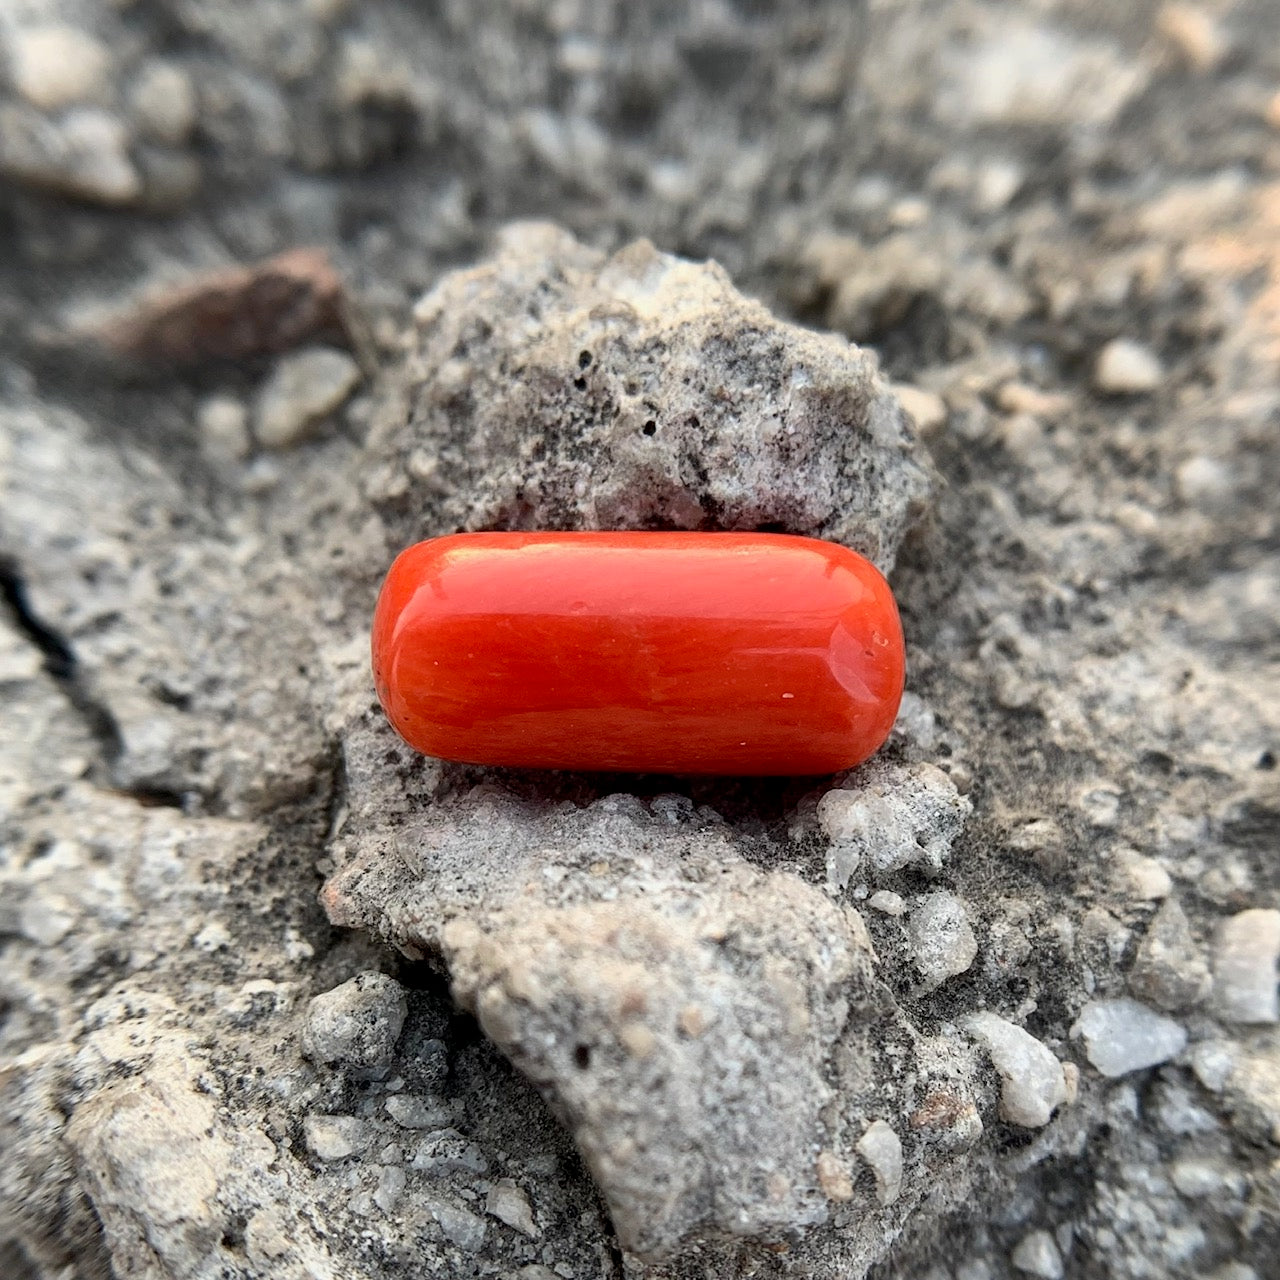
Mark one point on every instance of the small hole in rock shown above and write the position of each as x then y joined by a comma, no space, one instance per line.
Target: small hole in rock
1267,760
584,359
650,427
582,1056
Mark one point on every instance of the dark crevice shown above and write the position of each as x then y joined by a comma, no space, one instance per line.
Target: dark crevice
61,666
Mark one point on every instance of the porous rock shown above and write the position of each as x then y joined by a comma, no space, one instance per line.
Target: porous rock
639,391
641,974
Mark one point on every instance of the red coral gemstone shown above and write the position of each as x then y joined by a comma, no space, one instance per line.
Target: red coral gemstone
729,653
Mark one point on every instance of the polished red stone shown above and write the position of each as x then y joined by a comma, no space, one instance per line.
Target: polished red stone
728,653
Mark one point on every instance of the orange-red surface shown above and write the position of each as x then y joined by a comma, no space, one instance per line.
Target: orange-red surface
728,653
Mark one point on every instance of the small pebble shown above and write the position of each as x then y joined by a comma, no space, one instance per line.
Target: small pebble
1194,34
941,937
337,1137
881,1148
1205,483
1122,1035
1246,949
1126,367
447,1151
1213,1061
391,1184
224,429
1168,969
928,409
303,389
834,1177
460,1226
163,100
887,902
1197,1179
356,1024
509,1204
1037,1255
995,184
56,66
1032,1082
411,1112
84,154
1141,878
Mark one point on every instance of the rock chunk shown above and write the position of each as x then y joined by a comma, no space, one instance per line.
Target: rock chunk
881,1148
650,394
1169,969
1122,1035
509,1204
889,816
55,66
590,998
941,937
1037,1255
356,1024
1244,967
1032,1082
304,388
1126,367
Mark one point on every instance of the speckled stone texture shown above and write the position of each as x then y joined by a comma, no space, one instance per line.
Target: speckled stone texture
280,999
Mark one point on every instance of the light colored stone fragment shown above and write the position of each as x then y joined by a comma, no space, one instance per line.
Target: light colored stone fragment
163,100
1169,969
1032,1082
881,1148
927,409
887,902
412,1112
1244,967
1036,1254
834,1177
1126,367
941,937
224,428
304,388
509,1204
56,66
337,1137
1122,1035
1194,34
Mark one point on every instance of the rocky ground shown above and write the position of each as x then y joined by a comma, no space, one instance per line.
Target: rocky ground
281,999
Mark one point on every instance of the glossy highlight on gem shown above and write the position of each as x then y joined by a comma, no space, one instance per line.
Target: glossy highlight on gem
709,653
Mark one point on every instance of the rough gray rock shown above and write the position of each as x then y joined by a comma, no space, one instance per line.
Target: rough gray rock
638,391
680,1009
1169,968
356,1024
